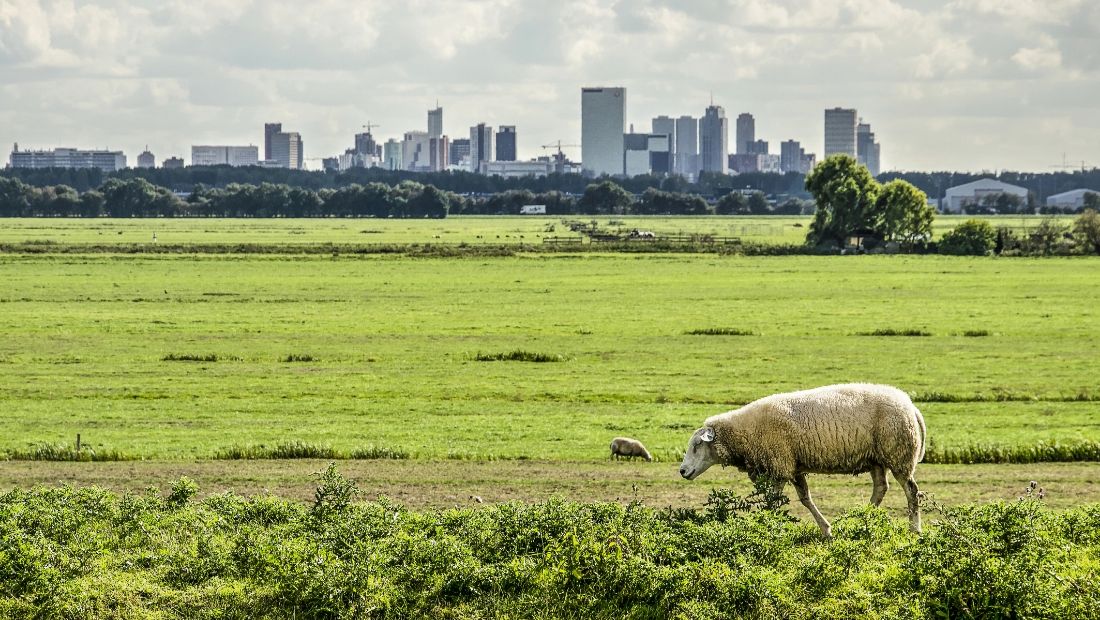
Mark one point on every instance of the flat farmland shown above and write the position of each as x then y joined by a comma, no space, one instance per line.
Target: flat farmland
453,230
383,350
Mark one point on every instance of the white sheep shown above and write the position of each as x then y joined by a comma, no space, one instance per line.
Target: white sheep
629,448
838,429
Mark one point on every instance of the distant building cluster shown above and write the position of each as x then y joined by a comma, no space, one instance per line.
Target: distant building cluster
683,145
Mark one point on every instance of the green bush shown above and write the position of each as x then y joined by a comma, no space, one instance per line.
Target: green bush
89,553
971,238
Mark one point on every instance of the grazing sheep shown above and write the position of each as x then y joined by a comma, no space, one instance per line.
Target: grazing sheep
629,448
838,429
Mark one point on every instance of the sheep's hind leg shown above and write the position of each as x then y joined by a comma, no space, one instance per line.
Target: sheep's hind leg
803,490
911,490
882,485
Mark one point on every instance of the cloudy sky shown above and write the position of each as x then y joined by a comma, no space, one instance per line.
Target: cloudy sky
962,85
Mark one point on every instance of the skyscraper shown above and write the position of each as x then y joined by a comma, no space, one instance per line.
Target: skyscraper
365,144
287,150
603,123
667,126
867,150
714,140
460,151
435,122
146,159
746,133
392,157
270,129
481,146
840,132
687,146
790,156
757,147
506,143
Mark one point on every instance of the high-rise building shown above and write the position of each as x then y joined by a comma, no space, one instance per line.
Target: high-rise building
867,150
365,145
270,129
172,162
790,156
392,157
481,145
204,155
664,125
287,150
840,132
416,151
506,143
757,147
687,146
746,133
603,124
714,140
146,159
435,122
107,161
460,151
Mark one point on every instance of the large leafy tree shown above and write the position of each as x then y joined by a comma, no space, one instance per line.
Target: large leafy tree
906,214
606,198
845,193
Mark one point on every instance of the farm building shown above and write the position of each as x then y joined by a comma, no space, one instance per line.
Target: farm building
1073,198
959,196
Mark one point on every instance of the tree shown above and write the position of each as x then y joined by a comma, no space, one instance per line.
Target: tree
13,198
845,194
906,214
605,198
758,204
1092,201
1087,227
971,238
733,203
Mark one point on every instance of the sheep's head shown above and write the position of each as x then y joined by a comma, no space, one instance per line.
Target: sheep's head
700,454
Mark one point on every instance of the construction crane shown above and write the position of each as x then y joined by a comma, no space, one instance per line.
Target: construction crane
559,157
369,125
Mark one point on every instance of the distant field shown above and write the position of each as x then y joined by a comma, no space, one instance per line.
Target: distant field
460,229
393,344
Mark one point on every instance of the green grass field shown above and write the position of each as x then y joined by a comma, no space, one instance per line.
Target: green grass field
394,340
461,229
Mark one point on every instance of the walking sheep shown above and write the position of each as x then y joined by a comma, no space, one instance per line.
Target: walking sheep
626,447
838,429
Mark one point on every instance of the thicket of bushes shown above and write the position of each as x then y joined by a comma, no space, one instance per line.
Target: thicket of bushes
69,553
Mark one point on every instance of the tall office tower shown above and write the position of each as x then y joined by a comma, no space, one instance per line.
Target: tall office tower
746,133
460,150
687,146
840,132
603,124
714,140
365,144
667,126
481,146
867,150
506,143
435,122
270,129
286,149
146,159
757,147
392,157
790,156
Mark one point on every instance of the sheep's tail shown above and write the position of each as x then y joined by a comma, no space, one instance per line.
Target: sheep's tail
923,434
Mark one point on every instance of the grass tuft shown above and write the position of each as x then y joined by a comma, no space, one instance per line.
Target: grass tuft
373,452
188,357
286,450
1041,452
719,331
519,355
298,357
976,333
46,451
896,332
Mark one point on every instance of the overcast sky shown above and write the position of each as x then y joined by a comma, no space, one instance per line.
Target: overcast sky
966,85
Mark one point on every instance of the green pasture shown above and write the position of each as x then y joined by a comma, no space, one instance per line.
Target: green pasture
460,229
393,342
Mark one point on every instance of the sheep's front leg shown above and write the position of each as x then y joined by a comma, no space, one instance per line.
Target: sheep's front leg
807,501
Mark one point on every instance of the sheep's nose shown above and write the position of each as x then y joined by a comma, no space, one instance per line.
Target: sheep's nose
683,472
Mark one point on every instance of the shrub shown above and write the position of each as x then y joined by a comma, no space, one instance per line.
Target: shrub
971,238
298,357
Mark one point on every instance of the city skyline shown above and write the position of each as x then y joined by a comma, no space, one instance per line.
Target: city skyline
958,73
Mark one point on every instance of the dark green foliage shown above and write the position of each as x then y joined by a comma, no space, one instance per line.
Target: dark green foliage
976,333
733,203
971,238
845,194
1087,226
896,332
79,553
906,215
519,355
605,198
719,331
654,201
298,357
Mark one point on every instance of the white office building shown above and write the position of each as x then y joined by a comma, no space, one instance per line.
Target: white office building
687,147
481,145
972,193
205,155
603,124
840,132
516,169
107,161
392,158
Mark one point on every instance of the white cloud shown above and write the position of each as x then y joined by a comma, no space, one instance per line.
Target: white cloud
130,72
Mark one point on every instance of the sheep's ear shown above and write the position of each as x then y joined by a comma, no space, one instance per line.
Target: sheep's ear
708,435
